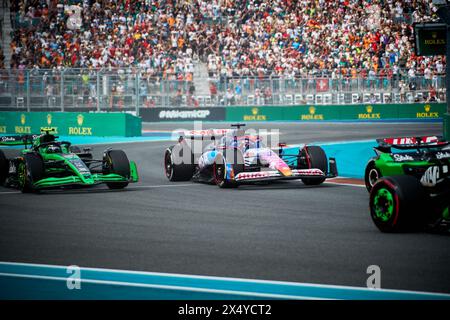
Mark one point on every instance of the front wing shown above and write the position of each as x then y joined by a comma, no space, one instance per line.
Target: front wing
249,177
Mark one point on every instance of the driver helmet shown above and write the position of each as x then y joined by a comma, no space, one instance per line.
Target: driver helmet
54,149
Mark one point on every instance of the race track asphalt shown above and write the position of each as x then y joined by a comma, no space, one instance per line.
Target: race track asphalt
283,231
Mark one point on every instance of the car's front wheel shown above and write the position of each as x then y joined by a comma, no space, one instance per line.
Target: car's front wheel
116,161
175,167
371,175
314,157
30,170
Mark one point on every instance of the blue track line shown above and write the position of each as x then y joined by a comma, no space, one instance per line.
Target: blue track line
34,281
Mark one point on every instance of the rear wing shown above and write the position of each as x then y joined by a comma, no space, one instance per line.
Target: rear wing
405,143
209,134
17,140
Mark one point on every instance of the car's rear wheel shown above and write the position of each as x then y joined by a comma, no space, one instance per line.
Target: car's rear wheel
175,167
30,170
371,175
396,203
314,157
4,167
116,161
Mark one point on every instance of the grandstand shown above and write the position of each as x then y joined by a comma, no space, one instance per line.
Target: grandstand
119,54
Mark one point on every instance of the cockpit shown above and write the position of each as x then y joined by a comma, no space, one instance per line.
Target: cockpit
241,142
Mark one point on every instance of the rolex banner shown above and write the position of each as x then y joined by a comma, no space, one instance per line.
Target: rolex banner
71,123
362,112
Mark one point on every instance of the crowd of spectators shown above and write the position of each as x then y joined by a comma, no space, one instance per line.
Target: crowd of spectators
234,38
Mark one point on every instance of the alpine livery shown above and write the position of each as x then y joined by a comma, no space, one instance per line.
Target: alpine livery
230,157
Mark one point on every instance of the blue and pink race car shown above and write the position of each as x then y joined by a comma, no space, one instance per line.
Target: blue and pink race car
230,157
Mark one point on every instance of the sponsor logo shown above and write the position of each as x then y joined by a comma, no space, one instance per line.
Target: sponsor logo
22,129
80,120
80,131
402,157
312,115
2,129
185,114
369,114
255,116
428,113
7,139
431,177
442,155
54,129
410,140
434,40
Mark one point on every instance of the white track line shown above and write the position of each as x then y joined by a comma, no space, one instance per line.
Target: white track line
346,184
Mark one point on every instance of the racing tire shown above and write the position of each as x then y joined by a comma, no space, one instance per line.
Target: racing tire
30,170
116,161
219,168
4,167
315,159
396,203
174,168
371,175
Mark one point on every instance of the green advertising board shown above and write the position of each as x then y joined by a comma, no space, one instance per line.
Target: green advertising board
447,126
71,123
417,111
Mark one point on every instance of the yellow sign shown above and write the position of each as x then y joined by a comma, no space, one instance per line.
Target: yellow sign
312,115
80,119
255,116
52,129
80,131
22,130
369,114
428,113
23,119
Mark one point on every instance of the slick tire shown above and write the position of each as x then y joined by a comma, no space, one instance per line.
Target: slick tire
315,159
371,175
175,167
397,204
30,170
116,161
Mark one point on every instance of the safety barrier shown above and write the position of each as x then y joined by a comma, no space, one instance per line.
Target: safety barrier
71,123
418,111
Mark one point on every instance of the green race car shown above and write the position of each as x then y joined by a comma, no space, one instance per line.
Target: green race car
46,163
409,183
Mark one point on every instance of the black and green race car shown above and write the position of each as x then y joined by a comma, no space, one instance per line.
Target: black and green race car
409,183
46,163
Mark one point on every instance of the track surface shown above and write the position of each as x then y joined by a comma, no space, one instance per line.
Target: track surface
284,231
